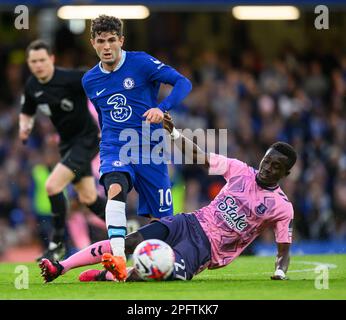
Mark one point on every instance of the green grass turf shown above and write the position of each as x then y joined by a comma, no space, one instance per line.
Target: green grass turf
245,278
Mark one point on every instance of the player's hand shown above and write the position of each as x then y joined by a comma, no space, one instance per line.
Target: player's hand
168,122
279,275
153,115
24,135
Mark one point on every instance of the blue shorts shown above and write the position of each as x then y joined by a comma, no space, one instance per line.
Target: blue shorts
190,244
152,183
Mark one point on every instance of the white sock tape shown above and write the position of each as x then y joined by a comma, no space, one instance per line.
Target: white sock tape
175,134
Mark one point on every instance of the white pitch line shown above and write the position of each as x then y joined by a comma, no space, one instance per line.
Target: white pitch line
328,265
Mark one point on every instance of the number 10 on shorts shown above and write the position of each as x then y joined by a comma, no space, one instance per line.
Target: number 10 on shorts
165,197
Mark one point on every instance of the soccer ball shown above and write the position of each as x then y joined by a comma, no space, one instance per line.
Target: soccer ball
153,259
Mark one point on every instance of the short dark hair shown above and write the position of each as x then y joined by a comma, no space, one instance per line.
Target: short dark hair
287,150
104,23
37,45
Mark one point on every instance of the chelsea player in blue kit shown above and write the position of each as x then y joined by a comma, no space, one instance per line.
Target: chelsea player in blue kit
123,88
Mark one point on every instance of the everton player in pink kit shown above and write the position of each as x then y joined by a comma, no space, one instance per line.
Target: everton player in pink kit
215,235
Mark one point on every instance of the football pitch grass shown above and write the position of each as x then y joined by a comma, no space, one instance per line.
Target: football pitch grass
247,277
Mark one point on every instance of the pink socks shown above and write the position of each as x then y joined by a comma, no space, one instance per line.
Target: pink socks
90,255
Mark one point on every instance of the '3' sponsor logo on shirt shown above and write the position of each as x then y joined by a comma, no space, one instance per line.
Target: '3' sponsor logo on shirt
229,212
121,110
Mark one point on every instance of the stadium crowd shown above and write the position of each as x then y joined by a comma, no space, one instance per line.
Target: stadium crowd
295,98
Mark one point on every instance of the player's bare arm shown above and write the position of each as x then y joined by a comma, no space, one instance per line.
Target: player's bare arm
282,261
26,123
184,144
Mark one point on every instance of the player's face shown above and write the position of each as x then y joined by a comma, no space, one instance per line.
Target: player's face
41,64
272,167
108,47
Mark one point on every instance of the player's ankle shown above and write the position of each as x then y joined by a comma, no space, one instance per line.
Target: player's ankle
119,252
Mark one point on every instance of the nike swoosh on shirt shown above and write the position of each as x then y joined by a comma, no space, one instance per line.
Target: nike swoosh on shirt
38,93
163,210
99,92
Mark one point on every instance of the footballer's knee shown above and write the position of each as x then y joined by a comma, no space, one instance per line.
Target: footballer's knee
132,240
116,185
52,188
116,192
87,198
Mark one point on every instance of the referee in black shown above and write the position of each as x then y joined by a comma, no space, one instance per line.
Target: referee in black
58,93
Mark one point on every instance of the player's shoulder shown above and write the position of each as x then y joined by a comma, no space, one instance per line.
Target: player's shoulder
242,166
140,56
282,195
283,199
282,208
137,54
228,167
91,74
93,71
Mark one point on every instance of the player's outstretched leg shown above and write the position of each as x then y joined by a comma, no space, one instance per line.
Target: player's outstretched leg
115,265
104,275
50,270
95,275
88,256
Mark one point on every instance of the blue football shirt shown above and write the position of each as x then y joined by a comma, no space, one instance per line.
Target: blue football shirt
122,96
